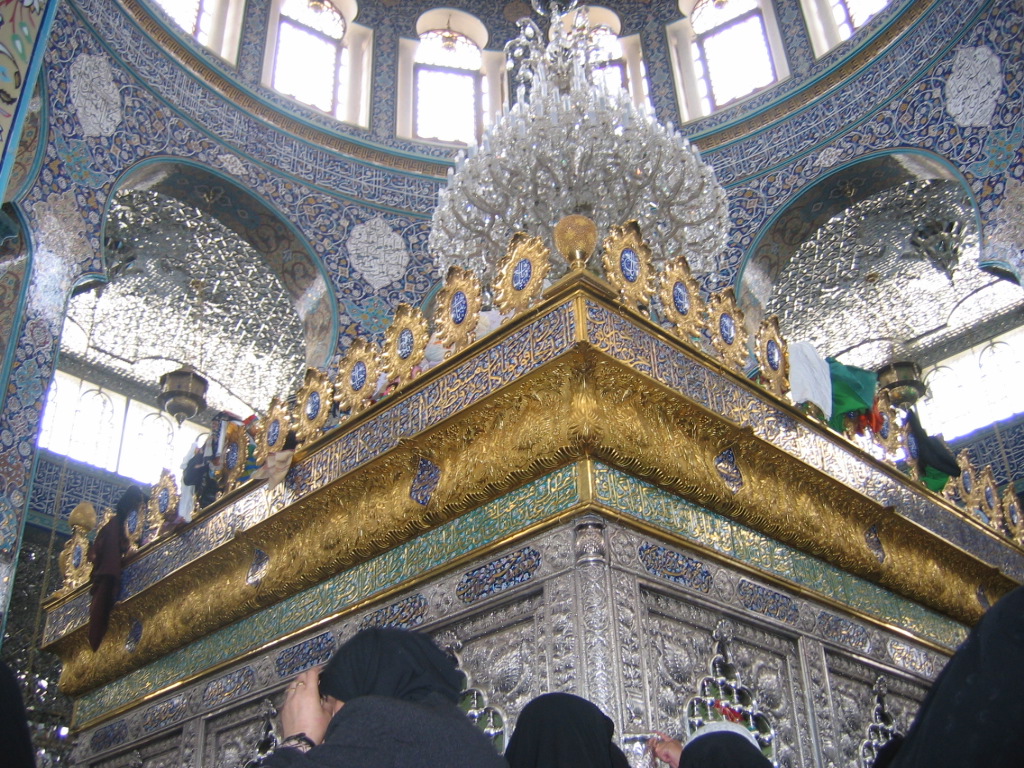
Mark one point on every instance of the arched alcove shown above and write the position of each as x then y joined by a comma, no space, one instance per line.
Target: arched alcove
880,260
200,272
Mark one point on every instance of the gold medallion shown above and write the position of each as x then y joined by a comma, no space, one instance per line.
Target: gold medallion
521,273
457,311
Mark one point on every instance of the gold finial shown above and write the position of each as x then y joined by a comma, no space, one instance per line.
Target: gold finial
576,239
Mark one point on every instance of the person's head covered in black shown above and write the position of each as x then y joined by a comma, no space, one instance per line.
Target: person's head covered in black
130,501
391,662
559,730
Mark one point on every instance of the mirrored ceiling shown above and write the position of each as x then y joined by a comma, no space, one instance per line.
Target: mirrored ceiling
184,289
894,276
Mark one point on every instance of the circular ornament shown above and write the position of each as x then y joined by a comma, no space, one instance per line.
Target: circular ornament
133,528
314,405
628,264
888,436
772,355
681,302
457,312
970,493
459,307
236,444
521,272
728,336
405,343
272,430
727,327
77,556
1013,517
357,376
989,502
164,498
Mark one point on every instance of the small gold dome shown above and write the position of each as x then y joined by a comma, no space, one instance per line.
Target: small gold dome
83,516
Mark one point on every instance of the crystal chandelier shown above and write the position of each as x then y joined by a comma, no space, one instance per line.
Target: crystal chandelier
569,146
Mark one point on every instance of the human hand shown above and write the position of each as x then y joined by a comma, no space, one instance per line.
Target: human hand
665,748
303,710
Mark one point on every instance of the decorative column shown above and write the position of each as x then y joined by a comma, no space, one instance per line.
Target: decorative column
597,656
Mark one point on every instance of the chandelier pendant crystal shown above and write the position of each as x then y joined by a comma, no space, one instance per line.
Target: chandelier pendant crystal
570,146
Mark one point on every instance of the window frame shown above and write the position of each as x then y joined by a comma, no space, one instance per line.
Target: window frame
353,78
492,100
824,30
682,36
477,77
225,31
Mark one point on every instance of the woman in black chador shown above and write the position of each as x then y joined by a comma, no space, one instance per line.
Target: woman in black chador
106,554
559,730
387,699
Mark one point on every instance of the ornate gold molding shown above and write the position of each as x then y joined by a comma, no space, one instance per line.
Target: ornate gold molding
580,405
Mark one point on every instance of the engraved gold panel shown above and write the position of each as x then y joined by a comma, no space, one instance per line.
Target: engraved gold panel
314,405
457,309
628,265
521,273
405,343
273,430
772,353
357,376
728,335
681,301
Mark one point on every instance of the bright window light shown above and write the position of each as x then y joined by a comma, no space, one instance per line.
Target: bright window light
975,388
107,430
184,13
450,89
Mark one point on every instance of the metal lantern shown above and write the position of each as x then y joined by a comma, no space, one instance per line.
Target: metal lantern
902,379
183,393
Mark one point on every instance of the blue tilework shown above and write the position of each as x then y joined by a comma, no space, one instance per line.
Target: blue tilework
165,713
302,656
407,613
109,736
768,602
667,564
227,687
841,630
498,575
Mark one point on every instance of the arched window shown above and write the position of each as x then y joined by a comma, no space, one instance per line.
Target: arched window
711,73
318,56
215,24
830,22
450,88
617,60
